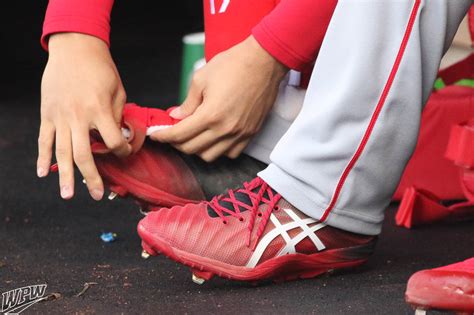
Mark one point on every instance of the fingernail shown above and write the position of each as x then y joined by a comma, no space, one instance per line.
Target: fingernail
66,192
176,113
97,194
40,172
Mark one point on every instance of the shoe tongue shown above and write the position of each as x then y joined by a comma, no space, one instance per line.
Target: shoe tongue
240,196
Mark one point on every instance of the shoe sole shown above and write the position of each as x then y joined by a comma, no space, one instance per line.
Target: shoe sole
282,268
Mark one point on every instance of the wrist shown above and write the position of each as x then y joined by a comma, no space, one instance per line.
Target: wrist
260,55
60,42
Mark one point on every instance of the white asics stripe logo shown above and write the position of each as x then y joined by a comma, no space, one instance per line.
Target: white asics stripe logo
282,229
223,8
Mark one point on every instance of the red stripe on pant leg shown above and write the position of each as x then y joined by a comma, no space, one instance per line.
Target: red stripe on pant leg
377,111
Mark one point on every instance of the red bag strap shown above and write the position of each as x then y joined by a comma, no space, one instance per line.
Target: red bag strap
460,148
419,206
461,151
458,71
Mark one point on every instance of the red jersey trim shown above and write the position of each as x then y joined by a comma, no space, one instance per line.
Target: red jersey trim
76,24
279,50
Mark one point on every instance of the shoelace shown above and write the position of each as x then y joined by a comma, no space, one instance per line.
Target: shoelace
256,197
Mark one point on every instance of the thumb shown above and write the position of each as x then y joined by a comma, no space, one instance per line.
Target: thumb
192,101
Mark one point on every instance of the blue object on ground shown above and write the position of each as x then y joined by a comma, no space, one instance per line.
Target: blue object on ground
108,237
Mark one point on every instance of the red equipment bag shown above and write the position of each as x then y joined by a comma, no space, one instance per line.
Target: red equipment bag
419,206
450,104
428,169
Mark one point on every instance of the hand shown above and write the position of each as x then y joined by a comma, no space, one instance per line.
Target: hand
227,103
81,90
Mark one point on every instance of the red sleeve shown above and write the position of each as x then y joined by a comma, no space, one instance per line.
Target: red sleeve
90,17
293,32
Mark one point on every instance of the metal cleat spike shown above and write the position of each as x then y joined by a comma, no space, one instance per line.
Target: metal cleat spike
420,311
145,254
198,280
113,195
143,212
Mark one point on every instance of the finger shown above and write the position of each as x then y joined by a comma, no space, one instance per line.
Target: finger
65,163
237,149
85,162
45,148
112,136
182,131
217,150
199,143
192,101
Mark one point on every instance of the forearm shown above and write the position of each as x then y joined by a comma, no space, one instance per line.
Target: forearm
90,17
293,32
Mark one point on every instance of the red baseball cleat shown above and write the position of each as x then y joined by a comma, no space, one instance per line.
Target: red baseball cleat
447,288
251,234
154,174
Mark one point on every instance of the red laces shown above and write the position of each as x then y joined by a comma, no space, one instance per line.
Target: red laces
264,194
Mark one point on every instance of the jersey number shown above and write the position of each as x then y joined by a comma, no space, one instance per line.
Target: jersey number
223,8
